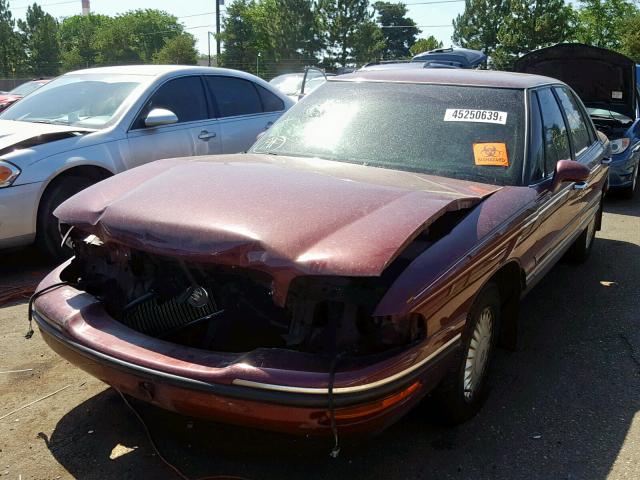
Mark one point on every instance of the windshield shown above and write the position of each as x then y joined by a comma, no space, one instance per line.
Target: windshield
90,101
470,133
26,88
606,113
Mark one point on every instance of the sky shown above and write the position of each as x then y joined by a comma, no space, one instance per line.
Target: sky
198,15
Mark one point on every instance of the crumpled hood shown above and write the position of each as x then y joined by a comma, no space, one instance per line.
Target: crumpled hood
282,215
16,135
601,78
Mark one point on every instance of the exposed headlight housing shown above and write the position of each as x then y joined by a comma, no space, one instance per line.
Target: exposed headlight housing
8,173
620,145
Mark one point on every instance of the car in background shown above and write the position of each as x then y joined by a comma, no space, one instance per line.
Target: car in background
451,58
88,125
297,85
9,98
370,248
606,82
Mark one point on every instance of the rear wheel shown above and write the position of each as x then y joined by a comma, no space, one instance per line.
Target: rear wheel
48,233
464,389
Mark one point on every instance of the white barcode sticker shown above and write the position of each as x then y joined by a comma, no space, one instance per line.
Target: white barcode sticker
616,95
478,116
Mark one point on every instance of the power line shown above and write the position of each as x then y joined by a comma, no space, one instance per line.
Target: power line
415,26
435,2
45,5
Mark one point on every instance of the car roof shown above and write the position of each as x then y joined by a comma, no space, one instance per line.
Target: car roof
159,70
475,78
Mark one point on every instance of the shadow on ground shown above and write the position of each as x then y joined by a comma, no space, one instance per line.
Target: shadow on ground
560,407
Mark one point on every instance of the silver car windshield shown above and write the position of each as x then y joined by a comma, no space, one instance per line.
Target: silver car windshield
91,101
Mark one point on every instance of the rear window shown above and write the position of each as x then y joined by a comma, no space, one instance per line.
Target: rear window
471,133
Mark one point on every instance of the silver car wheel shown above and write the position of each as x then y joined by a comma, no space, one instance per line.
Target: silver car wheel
591,232
478,354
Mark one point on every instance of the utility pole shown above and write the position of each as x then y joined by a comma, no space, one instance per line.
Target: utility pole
218,28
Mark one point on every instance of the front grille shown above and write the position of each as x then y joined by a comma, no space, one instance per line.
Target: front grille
159,317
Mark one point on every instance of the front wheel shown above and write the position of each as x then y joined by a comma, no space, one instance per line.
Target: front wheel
581,249
48,234
464,389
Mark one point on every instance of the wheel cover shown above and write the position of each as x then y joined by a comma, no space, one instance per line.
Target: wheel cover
591,232
478,353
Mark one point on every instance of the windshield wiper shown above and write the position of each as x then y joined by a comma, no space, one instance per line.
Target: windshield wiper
49,122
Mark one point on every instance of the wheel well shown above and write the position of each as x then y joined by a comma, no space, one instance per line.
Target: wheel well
91,172
510,280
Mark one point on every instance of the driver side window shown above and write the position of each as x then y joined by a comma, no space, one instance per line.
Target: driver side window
183,96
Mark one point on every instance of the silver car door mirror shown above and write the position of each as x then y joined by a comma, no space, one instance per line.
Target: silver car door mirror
160,116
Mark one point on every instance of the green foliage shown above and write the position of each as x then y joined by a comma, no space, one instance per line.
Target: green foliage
12,54
77,36
180,50
533,24
478,26
425,45
397,41
40,36
630,41
241,36
602,22
346,25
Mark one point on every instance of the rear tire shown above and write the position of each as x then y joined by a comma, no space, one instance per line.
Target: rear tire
48,234
464,389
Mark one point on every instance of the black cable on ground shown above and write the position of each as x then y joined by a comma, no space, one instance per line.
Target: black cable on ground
152,442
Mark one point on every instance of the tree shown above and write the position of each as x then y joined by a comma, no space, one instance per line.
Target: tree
630,41
478,26
241,36
11,49
601,22
344,22
40,37
135,36
180,50
533,24
425,45
397,41
77,37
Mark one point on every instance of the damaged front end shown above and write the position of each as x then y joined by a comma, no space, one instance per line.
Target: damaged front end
230,309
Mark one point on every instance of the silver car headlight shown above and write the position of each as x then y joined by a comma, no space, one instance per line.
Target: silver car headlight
8,173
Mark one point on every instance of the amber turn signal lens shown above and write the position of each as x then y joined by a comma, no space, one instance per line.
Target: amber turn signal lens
8,173
375,407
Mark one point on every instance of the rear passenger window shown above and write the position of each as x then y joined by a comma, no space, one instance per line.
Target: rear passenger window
234,96
577,125
556,139
270,102
184,96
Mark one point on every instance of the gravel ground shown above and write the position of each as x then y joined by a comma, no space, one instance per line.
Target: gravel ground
564,406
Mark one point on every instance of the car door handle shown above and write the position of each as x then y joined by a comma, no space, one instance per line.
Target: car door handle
581,185
204,135
606,161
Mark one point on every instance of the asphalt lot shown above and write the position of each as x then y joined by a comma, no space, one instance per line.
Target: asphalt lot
564,406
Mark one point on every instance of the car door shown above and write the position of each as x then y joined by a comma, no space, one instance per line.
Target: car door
244,110
584,198
553,209
195,133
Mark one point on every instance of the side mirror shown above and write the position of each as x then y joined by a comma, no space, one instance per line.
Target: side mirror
160,116
570,171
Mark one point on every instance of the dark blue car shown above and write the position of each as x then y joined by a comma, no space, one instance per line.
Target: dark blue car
606,83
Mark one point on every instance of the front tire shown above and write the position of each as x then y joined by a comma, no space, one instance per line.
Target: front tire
628,192
464,389
581,249
48,235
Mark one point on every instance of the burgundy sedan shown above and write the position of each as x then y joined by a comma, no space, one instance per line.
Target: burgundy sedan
9,98
371,247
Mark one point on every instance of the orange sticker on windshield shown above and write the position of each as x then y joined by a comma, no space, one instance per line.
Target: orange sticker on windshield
494,154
